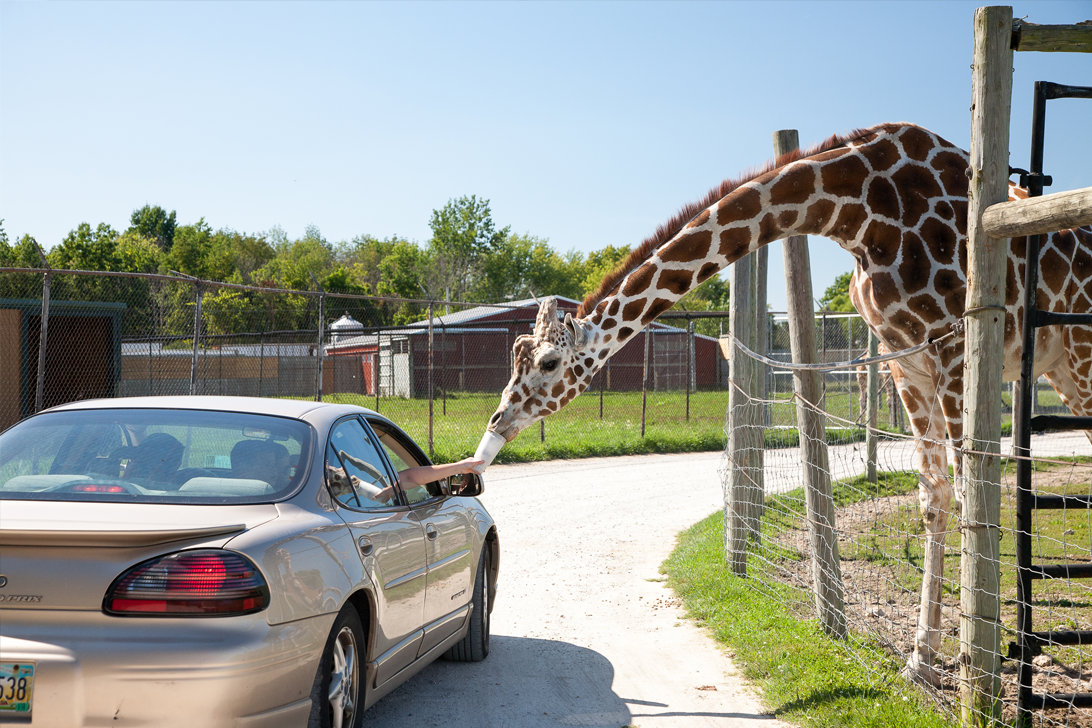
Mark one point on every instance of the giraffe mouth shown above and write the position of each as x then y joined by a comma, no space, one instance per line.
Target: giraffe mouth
509,433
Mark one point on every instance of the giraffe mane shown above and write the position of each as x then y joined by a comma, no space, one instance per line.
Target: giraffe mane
669,229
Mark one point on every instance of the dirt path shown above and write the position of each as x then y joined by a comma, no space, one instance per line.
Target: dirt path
584,633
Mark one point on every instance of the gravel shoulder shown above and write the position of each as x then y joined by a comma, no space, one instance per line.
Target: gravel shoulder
585,633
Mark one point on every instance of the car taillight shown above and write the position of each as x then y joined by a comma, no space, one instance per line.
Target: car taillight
205,582
95,488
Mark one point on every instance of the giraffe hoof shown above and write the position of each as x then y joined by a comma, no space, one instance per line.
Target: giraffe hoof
919,671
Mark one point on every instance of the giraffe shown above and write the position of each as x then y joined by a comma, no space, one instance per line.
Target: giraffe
895,197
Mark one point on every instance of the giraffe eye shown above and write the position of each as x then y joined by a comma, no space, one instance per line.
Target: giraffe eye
550,365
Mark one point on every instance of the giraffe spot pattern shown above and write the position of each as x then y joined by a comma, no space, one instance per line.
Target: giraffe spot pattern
624,333
743,204
846,178
676,281
881,155
639,280
940,238
707,270
632,310
734,243
916,266
882,198
794,187
658,306
919,187
693,246
881,242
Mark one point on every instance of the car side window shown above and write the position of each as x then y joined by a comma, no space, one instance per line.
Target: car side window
402,457
355,471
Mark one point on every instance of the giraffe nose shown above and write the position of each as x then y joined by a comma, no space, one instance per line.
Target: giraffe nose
494,419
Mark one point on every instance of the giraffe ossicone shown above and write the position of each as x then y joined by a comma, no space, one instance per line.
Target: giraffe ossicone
895,197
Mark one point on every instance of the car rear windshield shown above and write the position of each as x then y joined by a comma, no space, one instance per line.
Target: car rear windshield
154,456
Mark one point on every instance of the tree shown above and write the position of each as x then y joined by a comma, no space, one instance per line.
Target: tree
137,253
524,264
154,222
836,297
599,263
462,234
190,250
86,249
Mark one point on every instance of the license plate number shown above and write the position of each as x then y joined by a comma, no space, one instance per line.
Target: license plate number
16,687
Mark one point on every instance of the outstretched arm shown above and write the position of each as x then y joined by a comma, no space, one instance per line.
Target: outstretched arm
427,473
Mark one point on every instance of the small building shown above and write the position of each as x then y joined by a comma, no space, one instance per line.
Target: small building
83,354
472,351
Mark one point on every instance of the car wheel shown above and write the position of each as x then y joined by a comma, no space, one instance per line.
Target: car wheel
475,646
337,695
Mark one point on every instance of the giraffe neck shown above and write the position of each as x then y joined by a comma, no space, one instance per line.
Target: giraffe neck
892,187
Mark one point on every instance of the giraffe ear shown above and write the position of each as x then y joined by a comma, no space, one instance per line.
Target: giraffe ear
577,331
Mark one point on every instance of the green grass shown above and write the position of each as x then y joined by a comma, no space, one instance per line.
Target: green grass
578,431
805,677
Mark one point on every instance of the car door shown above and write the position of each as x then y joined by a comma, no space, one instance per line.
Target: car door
390,539
449,540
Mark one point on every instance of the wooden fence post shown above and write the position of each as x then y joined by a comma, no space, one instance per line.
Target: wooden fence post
871,443
825,568
980,565
739,506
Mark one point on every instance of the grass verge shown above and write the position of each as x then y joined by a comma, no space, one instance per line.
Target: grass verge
805,677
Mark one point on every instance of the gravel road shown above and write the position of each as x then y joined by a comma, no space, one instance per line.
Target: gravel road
585,633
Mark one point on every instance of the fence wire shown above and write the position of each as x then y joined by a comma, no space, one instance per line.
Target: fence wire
881,548
110,335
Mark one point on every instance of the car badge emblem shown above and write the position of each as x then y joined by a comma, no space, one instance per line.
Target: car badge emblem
3,581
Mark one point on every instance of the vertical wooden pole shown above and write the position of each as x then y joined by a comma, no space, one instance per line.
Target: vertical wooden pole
979,634
818,496
758,391
740,502
871,443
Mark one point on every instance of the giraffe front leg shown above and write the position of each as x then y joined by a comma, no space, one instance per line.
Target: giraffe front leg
935,500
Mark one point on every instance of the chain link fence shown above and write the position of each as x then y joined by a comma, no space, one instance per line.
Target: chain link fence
126,334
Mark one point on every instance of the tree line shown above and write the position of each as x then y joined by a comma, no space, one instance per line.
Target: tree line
467,258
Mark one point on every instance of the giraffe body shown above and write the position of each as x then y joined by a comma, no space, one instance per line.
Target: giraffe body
895,197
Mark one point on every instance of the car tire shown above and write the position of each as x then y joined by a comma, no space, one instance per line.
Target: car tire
337,694
475,646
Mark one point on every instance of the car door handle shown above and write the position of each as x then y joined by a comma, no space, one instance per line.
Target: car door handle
365,545
431,532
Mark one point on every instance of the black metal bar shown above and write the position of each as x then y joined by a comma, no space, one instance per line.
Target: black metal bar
1022,427
1066,637
1038,701
1060,571
1060,422
1059,502
1046,318
1061,91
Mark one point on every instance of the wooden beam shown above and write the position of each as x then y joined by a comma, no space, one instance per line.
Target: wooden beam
1039,215
818,493
980,561
1052,38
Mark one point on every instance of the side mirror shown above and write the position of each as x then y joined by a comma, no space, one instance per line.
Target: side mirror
464,484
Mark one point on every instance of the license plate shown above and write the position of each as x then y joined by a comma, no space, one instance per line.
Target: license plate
16,687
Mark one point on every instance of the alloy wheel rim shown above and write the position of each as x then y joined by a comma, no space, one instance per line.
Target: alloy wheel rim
343,679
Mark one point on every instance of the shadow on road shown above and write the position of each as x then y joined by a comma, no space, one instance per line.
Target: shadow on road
524,682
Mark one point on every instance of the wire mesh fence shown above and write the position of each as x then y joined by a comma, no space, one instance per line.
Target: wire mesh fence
882,551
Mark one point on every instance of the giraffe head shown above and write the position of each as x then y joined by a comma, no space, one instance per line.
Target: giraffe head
549,368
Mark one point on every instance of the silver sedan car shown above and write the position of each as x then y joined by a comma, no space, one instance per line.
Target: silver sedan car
228,561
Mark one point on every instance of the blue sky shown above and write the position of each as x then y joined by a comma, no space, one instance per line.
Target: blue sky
584,123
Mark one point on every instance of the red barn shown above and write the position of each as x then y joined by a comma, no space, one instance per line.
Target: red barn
472,351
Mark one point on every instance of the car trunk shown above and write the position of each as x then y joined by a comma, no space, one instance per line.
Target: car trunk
64,555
